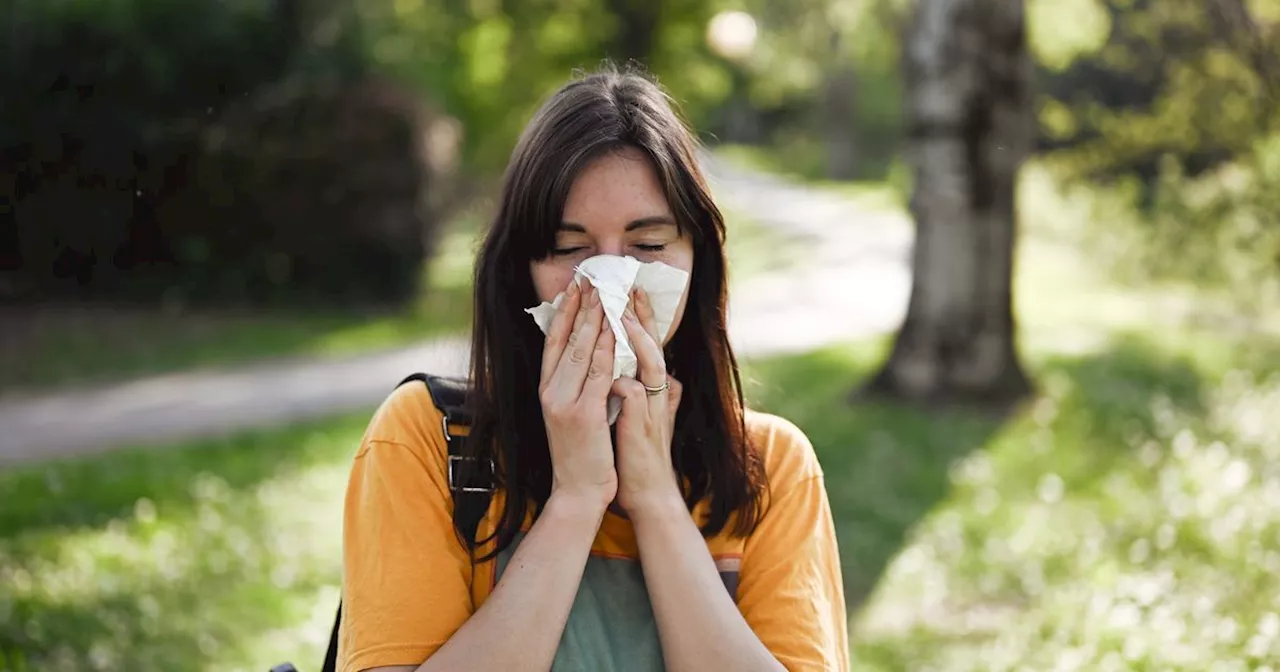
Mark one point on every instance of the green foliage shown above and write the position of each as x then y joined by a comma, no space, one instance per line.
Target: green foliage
316,196
1170,106
1219,229
1223,226
490,64
1167,78
229,151
185,152
1060,31
803,46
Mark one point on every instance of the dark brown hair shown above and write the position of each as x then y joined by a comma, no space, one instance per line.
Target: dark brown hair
592,116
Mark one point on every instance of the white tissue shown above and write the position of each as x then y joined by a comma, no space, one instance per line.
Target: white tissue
614,277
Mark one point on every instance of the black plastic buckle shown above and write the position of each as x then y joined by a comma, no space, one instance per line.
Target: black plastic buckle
454,459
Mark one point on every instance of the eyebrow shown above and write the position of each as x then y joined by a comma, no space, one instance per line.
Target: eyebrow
643,222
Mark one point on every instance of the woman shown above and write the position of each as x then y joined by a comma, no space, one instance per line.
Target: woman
695,535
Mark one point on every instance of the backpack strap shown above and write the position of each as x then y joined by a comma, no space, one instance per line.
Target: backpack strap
447,393
470,477
331,654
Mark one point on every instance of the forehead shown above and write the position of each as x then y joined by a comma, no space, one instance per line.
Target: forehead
613,190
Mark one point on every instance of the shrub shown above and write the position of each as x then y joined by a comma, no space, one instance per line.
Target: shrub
308,195
202,151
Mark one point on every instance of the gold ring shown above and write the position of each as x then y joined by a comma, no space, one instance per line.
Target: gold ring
655,391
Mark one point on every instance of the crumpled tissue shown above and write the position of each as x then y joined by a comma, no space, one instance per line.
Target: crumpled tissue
614,277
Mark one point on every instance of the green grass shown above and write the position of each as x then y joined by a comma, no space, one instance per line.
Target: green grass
88,344
217,556
1126,518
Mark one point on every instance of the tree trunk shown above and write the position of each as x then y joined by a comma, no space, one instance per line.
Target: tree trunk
741,121
637,29
840,113
968,78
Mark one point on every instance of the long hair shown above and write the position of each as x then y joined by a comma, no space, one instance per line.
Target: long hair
589,117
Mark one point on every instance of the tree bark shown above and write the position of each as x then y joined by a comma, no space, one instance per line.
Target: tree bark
968,78
840,113
637,29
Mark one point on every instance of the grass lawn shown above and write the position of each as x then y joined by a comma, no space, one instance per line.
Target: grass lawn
88,344
1127,518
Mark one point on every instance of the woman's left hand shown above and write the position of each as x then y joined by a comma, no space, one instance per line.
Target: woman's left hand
646,476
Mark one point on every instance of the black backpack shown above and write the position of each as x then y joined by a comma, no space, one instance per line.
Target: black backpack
471,499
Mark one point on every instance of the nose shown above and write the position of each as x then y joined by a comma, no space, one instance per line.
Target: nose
610,245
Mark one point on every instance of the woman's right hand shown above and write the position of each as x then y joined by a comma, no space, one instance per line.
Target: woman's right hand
577,374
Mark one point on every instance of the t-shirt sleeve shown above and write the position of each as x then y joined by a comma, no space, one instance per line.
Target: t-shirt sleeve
406,578
791,592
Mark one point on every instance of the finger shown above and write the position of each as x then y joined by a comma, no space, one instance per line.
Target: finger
600,372
635,401
652,367
571,371
584,306
644,311
558,332
583,291
652,370
674,393
581,315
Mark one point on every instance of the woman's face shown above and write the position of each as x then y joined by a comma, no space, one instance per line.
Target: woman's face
615,206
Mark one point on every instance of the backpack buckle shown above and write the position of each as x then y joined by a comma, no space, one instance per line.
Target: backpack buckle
444,426
454,459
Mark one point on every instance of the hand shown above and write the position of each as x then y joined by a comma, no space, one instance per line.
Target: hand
647,422
577,372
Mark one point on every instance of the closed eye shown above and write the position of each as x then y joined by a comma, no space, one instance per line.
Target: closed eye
652,248
561,252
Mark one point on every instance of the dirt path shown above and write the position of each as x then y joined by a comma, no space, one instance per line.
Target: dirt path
853,282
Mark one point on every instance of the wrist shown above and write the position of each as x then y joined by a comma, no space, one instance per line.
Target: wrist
576,508
658,507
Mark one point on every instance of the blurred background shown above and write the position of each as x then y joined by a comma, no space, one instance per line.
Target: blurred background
1013,265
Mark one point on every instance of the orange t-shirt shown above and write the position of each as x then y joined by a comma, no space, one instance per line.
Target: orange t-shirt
409,584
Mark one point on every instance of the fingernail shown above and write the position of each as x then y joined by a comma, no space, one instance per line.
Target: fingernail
573,289
642,296
595,296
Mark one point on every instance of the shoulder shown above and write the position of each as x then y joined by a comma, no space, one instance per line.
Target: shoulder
407,418
785,450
